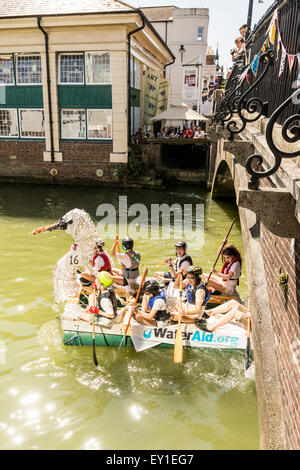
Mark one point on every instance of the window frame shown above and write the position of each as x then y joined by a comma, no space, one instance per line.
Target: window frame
87,122
202,34
61,124
85,67
59,68
20,124
13,70
16,62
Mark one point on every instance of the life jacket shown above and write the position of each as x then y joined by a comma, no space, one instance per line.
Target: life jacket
191,294
107,264
227,266
160,314
109,293
133,271
178,261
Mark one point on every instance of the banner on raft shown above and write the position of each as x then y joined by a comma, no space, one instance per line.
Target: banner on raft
228,337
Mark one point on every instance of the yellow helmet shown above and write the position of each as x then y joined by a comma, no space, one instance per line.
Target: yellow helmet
105,278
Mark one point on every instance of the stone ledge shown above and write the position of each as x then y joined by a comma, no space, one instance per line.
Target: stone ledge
275,207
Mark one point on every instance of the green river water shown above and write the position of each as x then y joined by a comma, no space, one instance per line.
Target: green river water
52,397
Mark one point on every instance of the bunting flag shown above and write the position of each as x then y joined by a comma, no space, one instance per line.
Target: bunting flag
255,64
282,61
247,78
298,55
278,45
266,47
271,31
291,59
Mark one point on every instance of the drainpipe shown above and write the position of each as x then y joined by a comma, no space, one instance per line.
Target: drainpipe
129,75
48,86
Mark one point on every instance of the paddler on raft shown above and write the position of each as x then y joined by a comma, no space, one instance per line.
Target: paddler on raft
154,309
130,260
101,262
182,262
196,296
226,281
103,302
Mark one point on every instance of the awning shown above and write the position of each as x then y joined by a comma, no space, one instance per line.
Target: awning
177,113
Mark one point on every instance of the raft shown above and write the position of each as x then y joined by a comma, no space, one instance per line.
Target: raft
79,333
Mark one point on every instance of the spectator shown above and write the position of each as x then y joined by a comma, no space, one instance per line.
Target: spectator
238,53
161,133
243,31
188,133
199,133
138,138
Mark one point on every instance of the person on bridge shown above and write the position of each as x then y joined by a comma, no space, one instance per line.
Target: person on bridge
227,280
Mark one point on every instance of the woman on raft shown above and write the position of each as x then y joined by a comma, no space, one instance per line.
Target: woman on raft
183,261
154,308
195,298
227,280
232,309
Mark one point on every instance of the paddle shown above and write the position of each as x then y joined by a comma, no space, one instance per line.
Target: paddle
94,310
220,251
248,346
135,302
178,346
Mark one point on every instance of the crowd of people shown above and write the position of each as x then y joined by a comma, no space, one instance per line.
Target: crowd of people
152,310
187,132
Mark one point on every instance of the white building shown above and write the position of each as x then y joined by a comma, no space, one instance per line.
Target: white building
185,32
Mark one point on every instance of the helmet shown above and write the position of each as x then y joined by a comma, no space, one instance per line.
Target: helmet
105,278
194,270
152,286
100,242
181,245
127,243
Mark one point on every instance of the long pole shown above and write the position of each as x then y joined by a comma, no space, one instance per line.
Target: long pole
249,18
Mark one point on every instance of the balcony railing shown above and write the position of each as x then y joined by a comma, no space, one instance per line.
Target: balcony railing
267,84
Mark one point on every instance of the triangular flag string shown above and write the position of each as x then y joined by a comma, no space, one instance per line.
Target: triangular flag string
291,59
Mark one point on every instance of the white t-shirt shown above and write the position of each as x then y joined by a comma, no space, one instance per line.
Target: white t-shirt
236,270
99,262
232,283
159,304
124,259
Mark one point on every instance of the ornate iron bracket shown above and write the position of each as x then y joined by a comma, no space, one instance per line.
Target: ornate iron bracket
253,105
290,133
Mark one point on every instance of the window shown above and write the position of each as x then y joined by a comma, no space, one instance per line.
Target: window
200,34
71,69
97,66
32,123
29,70
8,123
135,71
99,123
7,70
73,124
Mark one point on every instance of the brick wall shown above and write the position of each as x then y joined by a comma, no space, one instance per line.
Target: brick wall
285,308
22,161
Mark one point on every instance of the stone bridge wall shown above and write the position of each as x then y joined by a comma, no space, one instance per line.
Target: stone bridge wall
271,234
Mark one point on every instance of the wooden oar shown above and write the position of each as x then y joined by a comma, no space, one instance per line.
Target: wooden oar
248,346
220,251
178,346
135,302
94,311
